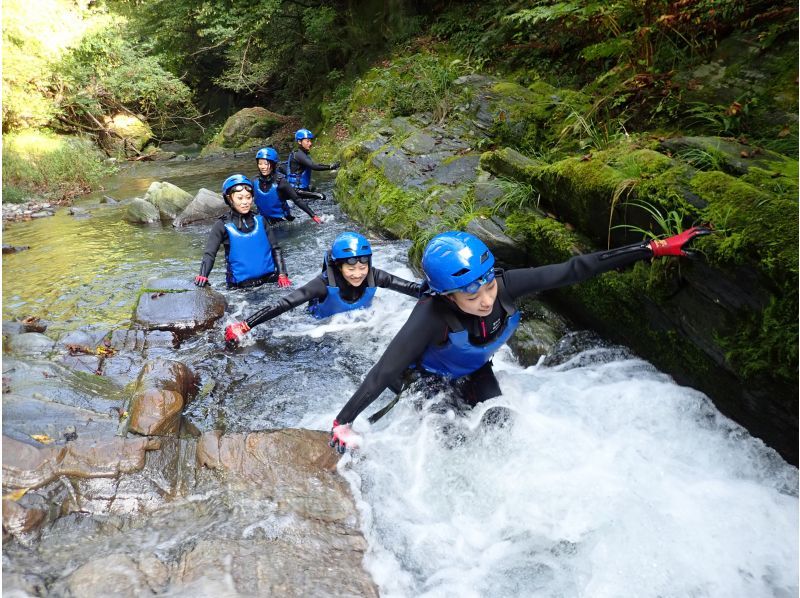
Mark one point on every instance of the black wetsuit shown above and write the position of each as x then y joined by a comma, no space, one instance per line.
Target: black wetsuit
428,326
285,192
219,236
301,160
317,288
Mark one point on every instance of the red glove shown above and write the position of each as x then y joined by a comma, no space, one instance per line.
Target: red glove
234,332
317,219
674,245
342,437
200,281
283,281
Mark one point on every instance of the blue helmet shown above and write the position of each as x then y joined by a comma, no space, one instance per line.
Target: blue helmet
350,245
267,153
232,181
457,261
303,134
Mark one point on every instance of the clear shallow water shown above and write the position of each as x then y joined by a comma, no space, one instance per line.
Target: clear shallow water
609,479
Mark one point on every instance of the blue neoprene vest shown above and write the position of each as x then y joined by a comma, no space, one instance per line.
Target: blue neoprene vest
457,357
250,254
334,304
269,203
298,180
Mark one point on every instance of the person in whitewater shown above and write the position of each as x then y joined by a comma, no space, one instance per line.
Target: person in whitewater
272,191
467,312
300,164
348,281
252,255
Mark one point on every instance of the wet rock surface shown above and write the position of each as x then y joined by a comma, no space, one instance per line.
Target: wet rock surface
178,305
96,509
269,516
206,205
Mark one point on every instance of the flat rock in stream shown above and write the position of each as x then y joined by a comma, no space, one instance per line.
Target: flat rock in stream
178,305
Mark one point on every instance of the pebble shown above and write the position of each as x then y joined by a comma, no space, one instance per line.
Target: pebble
27,211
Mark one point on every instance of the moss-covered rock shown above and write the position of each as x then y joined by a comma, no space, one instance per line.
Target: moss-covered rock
725,324
246,129
127,135
170,199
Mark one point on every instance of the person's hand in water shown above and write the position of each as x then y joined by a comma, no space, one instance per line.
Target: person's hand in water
343,437
234,333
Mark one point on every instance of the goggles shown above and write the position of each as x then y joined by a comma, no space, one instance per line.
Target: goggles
474,285
240,187
352,261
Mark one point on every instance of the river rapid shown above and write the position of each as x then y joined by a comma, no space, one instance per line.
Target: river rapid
601,477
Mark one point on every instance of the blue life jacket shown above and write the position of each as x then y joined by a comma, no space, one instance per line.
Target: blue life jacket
250,254
457,357
298,180
269,203
333,303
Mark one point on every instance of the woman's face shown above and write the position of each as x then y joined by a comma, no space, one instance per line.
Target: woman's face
242,201
306,144
355,274
264,166
476,304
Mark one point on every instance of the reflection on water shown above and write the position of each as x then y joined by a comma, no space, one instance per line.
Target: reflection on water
88,270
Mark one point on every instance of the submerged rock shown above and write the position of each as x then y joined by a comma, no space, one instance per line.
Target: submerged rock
14,248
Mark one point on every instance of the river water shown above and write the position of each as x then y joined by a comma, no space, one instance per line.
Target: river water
607,479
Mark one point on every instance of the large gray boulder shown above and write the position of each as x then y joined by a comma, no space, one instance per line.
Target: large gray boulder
206,205
140,211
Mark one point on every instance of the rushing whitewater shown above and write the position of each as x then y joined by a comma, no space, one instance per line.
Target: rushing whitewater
595,476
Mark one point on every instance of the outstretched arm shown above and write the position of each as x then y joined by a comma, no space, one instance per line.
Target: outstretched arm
406,348
286,191
525,281
389,281
314,289
305,161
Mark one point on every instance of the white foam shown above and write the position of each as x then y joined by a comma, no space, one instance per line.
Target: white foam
611,481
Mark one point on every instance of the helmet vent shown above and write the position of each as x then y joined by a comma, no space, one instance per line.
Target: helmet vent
485,256
460,272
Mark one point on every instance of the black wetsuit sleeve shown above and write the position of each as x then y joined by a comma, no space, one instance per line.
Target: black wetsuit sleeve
286,191
304,160
421,329
215,238
277,255
525,281
389,281
313,289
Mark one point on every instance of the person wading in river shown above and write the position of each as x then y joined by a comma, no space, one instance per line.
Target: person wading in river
299,166
272,191
348,281
467,312
252,256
